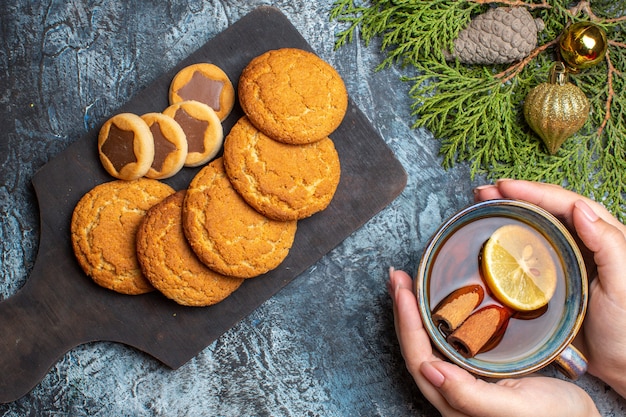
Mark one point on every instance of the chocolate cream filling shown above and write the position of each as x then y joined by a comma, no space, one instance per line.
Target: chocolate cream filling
203,89
194,130
162,147
119,147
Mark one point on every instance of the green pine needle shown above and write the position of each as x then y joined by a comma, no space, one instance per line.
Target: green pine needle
477,117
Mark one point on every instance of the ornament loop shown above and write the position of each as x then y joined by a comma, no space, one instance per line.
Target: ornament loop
558,74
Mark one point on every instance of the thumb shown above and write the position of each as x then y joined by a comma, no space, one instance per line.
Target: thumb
608,245
465,393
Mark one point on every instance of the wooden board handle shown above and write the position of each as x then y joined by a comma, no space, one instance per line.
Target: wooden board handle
33,338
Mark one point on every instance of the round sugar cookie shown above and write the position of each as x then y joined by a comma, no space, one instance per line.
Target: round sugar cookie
292,95
125,146
281,181
226,233
103,228
171,266
203,130
170,145
206,83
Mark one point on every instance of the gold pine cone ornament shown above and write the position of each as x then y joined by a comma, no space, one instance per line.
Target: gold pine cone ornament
556,109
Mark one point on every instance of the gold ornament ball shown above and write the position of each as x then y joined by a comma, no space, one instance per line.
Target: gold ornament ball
556,110
583,45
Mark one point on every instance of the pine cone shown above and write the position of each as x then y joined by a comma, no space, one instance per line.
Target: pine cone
499,36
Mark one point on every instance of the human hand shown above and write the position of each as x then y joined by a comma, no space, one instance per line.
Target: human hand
455,392
603,333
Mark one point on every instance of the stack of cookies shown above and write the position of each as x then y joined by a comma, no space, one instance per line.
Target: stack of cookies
187,133
279,156
238,217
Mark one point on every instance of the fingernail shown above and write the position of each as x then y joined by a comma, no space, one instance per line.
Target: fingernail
501,180
586,210
481,187
390,284
432,374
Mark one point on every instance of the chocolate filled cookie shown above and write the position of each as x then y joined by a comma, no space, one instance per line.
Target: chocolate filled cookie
226,233
170,145
203,130
125,146
282,181
292,95
206,83
104,227
171,266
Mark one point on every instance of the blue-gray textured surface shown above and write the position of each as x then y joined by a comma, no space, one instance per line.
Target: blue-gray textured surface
324,345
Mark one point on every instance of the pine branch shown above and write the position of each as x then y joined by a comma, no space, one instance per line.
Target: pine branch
514,3
512,71
476,111
584,7
410,29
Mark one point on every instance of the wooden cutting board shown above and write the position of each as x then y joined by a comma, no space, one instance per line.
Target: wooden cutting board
60,308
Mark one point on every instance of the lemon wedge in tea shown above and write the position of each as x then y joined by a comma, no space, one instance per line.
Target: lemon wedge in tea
518,267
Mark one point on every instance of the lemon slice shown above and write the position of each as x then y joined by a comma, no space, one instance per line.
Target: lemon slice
518,267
